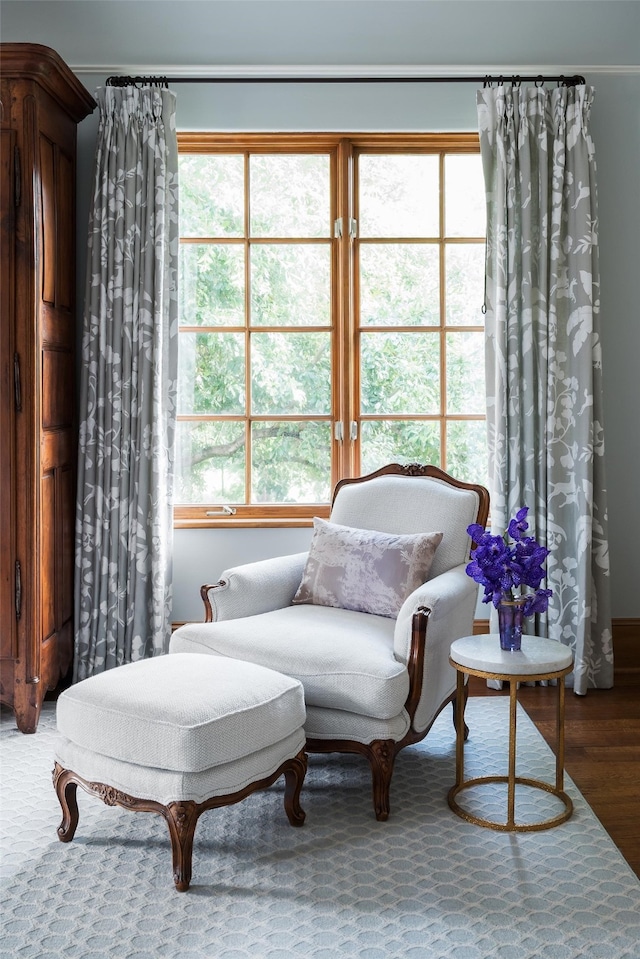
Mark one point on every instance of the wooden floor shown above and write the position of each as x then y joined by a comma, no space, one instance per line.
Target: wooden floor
602,751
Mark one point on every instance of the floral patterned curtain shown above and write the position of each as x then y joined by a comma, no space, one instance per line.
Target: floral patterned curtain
128,385
544,383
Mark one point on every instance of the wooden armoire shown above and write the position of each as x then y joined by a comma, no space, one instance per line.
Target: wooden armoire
42,102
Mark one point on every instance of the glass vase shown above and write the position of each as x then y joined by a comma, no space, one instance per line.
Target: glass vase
510,616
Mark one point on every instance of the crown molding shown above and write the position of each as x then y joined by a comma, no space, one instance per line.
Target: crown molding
321,71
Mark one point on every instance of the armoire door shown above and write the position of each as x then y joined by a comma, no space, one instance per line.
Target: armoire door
8,387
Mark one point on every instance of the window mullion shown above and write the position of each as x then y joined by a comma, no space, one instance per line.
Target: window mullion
343,355
247,333
443,315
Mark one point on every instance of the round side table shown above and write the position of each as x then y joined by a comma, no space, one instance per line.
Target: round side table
538,659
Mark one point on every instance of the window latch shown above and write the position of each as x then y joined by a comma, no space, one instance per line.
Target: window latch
338,228
353,430
225,511
338,432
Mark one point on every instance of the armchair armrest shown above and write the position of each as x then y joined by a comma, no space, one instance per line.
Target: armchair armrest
450,593
254,588
430,619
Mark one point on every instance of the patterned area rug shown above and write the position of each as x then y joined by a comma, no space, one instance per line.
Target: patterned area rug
424,885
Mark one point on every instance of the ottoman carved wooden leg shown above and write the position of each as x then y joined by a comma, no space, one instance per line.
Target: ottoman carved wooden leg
181,817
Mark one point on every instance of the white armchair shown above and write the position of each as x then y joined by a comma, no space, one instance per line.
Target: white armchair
373,683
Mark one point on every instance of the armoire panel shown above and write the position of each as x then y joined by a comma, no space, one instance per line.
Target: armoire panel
65,246
57,389
66,492
57,327
57,450
48,554
48,206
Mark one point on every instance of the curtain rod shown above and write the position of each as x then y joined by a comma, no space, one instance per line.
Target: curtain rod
486,80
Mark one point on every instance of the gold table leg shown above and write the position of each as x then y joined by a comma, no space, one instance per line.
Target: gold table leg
560,737
511,788
460,704
511,779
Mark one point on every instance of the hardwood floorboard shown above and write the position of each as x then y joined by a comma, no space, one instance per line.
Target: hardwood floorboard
602,751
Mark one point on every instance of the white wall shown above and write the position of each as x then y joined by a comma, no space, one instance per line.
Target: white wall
534,33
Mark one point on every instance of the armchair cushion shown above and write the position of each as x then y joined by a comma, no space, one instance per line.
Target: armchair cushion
344,659
364,570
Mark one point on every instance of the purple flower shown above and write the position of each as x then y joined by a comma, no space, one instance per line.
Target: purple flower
536,602
500,568
518,524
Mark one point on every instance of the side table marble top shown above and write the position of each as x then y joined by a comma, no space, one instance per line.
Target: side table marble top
537,656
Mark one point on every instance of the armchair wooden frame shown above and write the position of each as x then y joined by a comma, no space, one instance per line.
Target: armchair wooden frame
381,753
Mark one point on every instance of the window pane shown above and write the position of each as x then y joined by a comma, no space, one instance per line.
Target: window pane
291,285
210,460
211,373
290,373
467,457
399,284
465,373
211,195
291,462
400,373
464,203
464,265
211,278
289,195
397,441
398,195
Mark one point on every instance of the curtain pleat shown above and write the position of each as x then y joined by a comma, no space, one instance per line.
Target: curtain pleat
543,355
128,386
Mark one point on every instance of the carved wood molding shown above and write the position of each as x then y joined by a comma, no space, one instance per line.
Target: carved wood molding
43,65
427,471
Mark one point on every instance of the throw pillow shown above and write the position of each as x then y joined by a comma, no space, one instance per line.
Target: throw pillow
363,569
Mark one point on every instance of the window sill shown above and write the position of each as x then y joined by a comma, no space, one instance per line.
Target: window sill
276,517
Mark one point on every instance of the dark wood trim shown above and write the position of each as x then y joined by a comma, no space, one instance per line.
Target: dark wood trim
626,651
181,817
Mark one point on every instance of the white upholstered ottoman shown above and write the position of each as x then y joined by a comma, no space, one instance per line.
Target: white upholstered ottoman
176,735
